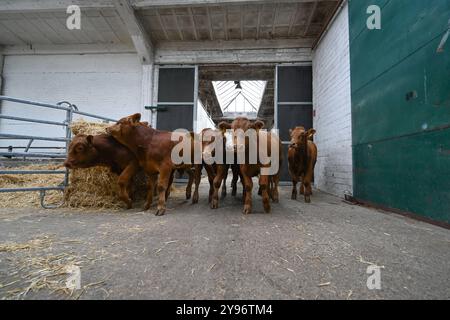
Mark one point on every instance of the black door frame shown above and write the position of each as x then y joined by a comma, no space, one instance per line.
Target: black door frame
277,103
177,103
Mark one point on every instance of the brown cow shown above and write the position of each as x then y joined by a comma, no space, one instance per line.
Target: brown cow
251,170
87,151
302,156
153,150
216,168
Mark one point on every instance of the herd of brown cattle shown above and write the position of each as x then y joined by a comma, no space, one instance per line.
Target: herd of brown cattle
131,145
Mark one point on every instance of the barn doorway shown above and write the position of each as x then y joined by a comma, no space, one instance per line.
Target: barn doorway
199,97
228,91
280,95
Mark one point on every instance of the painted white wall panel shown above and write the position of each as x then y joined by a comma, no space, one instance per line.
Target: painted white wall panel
332,104
104,84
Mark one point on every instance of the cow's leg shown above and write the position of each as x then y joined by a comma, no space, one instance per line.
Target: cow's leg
248,185
197,179
302,185
264,186
217,182
294,187
241,177
224,186
210,172
163,185
151,183
155,186
170,184
275,181
235,170
124,181
307,180
270,188
189,185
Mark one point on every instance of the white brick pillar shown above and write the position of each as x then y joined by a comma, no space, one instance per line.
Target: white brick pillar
332,104
147,91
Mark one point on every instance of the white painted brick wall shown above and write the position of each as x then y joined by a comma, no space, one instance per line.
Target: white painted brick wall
332,103
203,120
104,84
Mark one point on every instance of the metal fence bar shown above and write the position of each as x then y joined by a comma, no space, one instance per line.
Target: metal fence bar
33,103
31,189
93,116
23,137
32,172
33,120
34,155
22,147
70,111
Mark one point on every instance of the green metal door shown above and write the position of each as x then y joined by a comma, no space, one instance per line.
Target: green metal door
401,106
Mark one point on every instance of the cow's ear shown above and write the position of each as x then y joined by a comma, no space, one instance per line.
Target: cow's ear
223,126
135,118
90,139
258,125
145,123
310,133
290,132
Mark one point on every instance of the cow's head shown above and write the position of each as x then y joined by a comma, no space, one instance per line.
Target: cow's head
82,152
211,140
236,139
300,136
124,129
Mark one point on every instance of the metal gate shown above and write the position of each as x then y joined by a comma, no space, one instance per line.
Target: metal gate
293,104
69,110
177,97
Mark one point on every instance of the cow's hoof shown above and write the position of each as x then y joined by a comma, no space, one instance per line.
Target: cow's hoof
195,198
188,195
247,209
266,207
307,199
234,192
294,196
147,206
214,204
276,200
160,212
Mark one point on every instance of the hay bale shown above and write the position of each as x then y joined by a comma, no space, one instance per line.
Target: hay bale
84,127
97,187
94,188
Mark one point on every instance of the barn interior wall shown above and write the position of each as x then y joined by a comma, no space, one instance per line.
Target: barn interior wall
103,84
332,105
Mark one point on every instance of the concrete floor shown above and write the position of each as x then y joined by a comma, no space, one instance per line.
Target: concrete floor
300,251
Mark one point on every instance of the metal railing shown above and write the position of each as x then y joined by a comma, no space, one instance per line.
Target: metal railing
70,110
